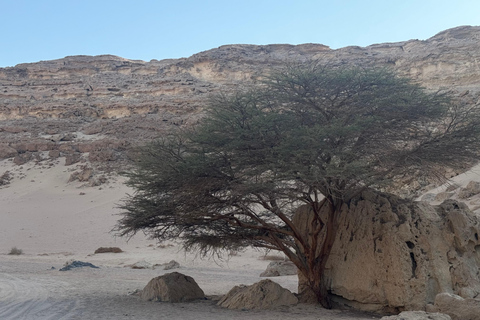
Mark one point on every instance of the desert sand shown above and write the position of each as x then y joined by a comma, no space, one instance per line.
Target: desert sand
54,221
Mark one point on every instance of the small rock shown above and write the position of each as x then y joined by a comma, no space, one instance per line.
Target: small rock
135,292
77,264
171,265
72,159
472,188
54,154
443,196
428,197
418,315
7,152
141,265
279,268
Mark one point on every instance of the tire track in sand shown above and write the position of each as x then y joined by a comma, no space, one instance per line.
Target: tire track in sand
35,299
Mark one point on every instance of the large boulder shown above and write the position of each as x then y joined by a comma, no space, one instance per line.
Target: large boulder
265,294
457,307
418,315
394,255
172,287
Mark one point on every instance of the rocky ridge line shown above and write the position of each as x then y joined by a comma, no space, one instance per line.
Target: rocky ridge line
94,109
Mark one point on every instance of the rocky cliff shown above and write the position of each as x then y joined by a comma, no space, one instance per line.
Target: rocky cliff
96,108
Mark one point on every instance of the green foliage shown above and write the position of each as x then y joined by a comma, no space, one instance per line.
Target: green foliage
307,133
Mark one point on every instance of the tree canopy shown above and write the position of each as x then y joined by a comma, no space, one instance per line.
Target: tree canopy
310,134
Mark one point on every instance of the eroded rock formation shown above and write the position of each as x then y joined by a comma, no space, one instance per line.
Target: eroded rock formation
393,255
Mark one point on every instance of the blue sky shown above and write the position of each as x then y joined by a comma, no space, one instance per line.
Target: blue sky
34,30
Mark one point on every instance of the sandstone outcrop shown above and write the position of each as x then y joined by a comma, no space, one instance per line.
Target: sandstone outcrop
172,287
102,106
265,294
394,255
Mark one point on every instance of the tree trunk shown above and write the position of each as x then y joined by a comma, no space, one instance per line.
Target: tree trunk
317,261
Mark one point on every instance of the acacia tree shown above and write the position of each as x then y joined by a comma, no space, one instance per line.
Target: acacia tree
309,134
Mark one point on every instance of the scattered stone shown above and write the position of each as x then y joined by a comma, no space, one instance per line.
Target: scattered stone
141,265
171,265
280,268
265,294
54,154
72,159
457,307
135,292
443,196
77,264
472,188
22,158
428,197
7,152
92,129
172,287
108,250
68,137
83,175
418,315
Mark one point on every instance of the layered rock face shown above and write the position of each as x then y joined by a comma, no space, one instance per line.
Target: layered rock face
393,255
99,107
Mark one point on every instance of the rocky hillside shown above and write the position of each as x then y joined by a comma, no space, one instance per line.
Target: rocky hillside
93,109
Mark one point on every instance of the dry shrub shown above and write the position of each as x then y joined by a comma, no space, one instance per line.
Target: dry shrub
15,251
5,178
163,246
109,249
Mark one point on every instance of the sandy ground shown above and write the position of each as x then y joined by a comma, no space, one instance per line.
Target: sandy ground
54,222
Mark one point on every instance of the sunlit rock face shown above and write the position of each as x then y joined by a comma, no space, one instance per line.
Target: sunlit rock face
107,103
392,254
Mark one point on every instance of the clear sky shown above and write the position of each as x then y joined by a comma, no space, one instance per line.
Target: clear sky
34,30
